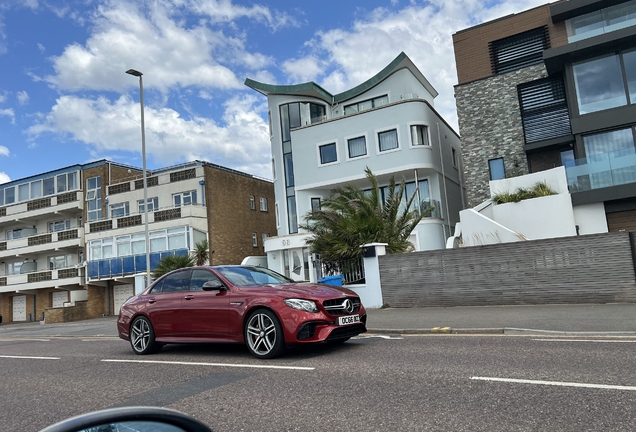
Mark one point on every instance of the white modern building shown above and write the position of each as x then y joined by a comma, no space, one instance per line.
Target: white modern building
321,141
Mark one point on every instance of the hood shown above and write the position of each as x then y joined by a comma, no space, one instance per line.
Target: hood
304,290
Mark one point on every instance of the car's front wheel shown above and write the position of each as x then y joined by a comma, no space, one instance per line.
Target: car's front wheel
264,334
142,337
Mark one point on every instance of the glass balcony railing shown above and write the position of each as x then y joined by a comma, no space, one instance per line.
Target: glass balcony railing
601,21
128,265
600,171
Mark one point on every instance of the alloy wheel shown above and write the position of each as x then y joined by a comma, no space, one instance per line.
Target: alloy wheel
261,334
140,335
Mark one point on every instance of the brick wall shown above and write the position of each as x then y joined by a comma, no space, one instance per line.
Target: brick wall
472,55
490,127
231,222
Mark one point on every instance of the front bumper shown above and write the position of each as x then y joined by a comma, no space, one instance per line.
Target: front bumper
308,327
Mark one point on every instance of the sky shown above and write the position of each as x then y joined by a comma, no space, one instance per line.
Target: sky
65,98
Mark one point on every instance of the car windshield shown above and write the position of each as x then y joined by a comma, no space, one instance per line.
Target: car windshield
251,276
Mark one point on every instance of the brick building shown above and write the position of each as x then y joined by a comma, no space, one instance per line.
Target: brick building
72,241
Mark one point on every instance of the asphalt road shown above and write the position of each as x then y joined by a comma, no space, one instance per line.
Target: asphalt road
379,383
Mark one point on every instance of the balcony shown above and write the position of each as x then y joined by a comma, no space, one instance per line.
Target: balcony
602,171
38,243
128,265
70,202
60,278
161,215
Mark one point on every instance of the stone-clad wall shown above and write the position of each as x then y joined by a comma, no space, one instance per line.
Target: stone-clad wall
490,127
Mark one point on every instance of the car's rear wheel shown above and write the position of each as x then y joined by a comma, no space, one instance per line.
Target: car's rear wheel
264,334
142,337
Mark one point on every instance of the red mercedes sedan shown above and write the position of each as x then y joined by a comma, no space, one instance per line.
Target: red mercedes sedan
244,304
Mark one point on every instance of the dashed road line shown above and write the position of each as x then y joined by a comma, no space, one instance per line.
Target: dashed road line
586,340
29,357
252,366
556,383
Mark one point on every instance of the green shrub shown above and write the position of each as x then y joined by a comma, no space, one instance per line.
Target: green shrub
539,189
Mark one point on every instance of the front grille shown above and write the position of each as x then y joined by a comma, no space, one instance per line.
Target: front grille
338,307
346,332
306,331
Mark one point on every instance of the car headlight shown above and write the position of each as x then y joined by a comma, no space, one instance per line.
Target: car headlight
303,305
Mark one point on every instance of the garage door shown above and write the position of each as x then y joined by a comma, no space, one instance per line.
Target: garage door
121,293
59,298
19,308
622,221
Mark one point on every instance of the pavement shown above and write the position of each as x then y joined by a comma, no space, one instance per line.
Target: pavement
582,319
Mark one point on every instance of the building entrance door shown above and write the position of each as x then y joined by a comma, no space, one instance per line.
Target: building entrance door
19,308
297,264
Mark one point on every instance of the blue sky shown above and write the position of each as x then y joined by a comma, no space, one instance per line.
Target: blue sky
65,99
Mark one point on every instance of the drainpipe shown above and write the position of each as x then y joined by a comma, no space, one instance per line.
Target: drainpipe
441,159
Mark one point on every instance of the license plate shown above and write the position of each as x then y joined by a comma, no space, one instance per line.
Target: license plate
346,320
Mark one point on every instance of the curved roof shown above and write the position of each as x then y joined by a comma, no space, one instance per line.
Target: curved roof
312,89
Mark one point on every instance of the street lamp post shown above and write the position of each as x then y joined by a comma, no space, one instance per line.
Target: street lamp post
136,73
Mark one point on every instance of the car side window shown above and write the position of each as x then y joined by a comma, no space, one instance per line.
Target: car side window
199,277
176,282
156,288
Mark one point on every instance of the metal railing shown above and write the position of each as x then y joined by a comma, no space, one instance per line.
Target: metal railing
352,270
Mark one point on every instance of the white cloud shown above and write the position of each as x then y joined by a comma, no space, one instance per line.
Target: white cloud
4,151
226,11
4,177
303,69
154,38
242,142
8,112
23,97
42,48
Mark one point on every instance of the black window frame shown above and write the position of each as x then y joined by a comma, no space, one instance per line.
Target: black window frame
320,147
503,164
519,51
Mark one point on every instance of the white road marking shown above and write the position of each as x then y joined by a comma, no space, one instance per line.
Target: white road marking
376,336
211,364
556,383
585,340
23,339
29,357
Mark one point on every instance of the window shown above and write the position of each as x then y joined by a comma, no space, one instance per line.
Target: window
263,237
567,158
199,277
357,147
93,198
119,210
254,239
60,262
365,105
252,202
328,153
101,249
315,204
9,195
263,204
497,169
153,205
629,59
23,192
599,84
177,282
14,268
14,234
291,212
454,156
519,51
277,215
60,225
419,135
544,109
185,198
610,150
388,140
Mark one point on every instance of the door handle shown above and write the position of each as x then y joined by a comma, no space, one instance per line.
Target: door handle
152,301
189,297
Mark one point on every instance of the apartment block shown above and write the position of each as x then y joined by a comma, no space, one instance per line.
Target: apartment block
73,241
553,86
321,141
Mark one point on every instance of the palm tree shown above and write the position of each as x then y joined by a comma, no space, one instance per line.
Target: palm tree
200,254
172,262
351,217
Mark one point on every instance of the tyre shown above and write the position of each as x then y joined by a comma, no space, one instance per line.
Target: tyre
142,337
264,334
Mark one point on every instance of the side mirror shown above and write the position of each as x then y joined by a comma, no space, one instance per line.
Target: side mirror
130,418
212,285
